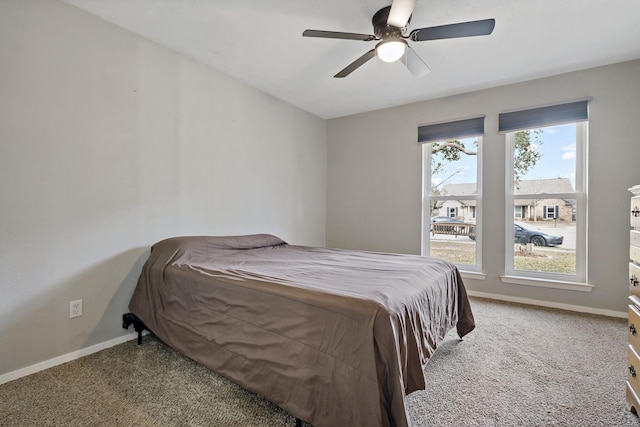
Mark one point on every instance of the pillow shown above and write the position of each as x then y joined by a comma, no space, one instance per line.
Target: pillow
249,241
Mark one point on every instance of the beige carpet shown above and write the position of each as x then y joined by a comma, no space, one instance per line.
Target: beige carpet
522,366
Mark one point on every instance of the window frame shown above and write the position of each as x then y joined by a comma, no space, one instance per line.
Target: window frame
547,279
550,208
427,198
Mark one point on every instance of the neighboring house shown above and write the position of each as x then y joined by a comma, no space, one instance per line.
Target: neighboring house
464,210
548,208
525,209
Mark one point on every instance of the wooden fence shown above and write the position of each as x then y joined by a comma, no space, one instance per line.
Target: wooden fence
453,228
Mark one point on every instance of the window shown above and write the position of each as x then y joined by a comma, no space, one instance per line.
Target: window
551,212
546,192
452,154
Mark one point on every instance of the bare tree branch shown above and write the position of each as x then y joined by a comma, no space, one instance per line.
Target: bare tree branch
452,144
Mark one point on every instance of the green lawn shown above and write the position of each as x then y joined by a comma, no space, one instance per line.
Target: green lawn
544,259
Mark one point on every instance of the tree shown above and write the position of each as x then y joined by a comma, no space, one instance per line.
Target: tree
444,153
526,154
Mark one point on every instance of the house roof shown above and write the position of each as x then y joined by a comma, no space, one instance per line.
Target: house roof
549,186
526,186
459,189
555,185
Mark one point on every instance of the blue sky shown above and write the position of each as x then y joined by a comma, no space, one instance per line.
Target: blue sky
558,150
558,159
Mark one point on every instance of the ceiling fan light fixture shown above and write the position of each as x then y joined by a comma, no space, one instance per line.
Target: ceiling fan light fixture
392,49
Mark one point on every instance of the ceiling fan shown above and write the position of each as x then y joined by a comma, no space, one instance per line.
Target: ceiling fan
389,26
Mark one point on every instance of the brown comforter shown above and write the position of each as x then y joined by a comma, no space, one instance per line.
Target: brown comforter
335,337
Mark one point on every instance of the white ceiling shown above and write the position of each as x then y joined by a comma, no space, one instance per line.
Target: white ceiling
260,43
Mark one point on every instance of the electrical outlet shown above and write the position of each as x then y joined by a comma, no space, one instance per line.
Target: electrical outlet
75,309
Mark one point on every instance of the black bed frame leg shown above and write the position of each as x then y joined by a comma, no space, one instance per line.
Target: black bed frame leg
129,319
298,422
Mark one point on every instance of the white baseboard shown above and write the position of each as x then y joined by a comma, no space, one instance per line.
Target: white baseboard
23,372
569,307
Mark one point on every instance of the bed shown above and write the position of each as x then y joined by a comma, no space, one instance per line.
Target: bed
335,337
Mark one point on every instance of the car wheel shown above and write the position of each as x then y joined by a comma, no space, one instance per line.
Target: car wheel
538,241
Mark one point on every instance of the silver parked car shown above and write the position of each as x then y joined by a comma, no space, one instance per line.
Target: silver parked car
537,238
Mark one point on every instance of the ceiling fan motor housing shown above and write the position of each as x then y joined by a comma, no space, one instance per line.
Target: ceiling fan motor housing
381,29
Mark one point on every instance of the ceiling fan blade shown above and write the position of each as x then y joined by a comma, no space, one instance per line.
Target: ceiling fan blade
400,12
338,35
355,64
483,27
415,64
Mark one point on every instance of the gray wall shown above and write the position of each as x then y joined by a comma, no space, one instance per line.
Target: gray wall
374,177
109,143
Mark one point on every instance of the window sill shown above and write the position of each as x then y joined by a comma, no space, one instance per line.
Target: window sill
546,283
475,275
